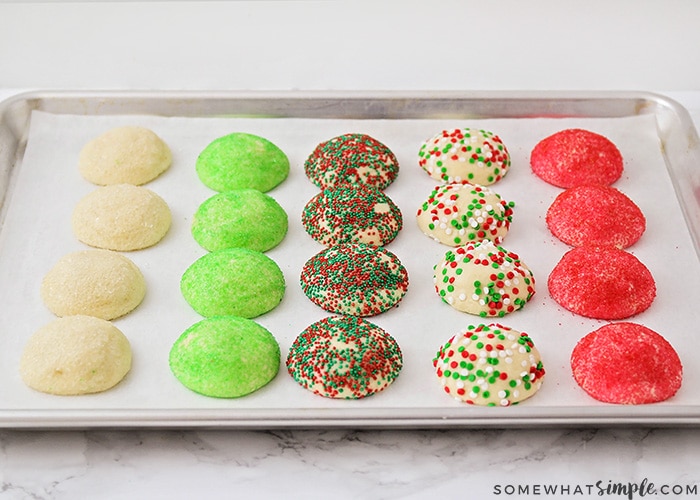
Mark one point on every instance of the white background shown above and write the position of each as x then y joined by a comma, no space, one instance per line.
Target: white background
329,45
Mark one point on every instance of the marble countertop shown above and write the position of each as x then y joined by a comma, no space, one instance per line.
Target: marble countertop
351,463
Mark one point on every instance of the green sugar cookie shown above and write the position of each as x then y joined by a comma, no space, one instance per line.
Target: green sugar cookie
241,160
225,357
234,281
245,218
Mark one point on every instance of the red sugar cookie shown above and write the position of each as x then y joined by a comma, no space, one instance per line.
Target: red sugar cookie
573,157
626,363
602,283
595,214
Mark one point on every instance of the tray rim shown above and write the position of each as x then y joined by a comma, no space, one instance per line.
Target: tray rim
552,416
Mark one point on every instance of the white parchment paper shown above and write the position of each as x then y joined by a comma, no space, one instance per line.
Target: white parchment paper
37,232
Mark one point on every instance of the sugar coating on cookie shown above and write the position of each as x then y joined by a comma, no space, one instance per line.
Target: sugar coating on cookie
489,365
94,282
483,279
344,357
595,214
352,159
626,363
245,218
225,357
121,217
602,283
75,355
354,279
352,214
124,155
241,160
465,154
455,214
573,157
233,281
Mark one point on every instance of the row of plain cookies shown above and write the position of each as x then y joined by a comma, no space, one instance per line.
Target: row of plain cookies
82,352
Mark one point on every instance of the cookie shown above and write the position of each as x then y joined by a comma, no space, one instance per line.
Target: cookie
352,214
344,357
225,357
75,355
602,283
573,157
234,281
124,155
352,159
244,218
354,279
595,214
489,365
121,217
626,363
242,161
465,154
455,214
483,279
99,283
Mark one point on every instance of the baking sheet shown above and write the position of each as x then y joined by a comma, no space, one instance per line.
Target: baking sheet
36,233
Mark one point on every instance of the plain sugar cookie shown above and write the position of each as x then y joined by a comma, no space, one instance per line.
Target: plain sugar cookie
124,155
75,355
489,365
122,217
99,283
626,363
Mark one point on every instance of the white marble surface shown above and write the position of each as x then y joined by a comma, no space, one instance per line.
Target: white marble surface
350,463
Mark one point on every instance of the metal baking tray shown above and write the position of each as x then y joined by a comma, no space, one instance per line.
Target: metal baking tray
673,137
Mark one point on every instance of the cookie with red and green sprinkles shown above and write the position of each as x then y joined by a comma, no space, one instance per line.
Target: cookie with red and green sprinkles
344,357
484,279
225,357
233,282
573,157
626,363
465,154
602,282
352,159
455,214
241,218
595,214
489,365
354,279
352,214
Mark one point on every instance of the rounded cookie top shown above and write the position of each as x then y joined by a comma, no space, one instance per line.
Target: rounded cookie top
455,214
99,283
354,279
465,154
352,159
233,281
240,160
124,155
352,214
602,283
573,157
344,357
75,355
225,357
595,214
245,218
121,217
626,363
489,365
483,279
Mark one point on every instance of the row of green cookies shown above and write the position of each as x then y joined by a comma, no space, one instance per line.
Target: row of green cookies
81,351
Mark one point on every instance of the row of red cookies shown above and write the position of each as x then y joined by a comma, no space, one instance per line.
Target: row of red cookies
622,362
82,351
